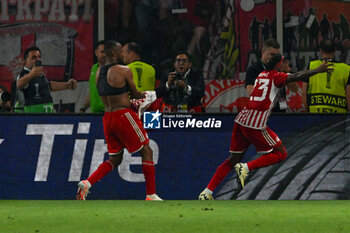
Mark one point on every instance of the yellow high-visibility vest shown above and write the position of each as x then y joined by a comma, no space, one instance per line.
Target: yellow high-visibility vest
143,75
327,91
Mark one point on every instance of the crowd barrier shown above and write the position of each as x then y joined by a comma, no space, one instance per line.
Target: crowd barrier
44,157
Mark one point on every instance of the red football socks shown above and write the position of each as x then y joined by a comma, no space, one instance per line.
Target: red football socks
220,174
150,176
100,172
267,160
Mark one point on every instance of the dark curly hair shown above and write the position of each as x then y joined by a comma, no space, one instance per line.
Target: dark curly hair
274,61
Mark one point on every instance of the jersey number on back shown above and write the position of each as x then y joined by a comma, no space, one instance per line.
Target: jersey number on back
261,84
139,75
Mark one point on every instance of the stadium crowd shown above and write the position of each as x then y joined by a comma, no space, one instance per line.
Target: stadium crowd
183,28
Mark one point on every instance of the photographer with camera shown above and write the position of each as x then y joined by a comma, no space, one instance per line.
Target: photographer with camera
34,85
5,100
183,89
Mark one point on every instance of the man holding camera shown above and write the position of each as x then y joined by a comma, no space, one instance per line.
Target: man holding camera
183,89
34,85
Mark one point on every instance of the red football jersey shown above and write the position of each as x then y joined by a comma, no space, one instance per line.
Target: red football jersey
262,99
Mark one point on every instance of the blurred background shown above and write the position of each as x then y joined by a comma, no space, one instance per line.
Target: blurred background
224,37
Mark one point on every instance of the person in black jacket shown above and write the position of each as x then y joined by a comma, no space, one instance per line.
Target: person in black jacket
183,89
270,48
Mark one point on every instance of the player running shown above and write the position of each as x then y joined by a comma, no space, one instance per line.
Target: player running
122,127
250,126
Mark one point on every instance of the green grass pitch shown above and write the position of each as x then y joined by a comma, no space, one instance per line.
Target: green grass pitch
174,216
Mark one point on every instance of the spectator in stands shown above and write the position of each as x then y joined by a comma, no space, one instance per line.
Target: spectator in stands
5,100
328,92
17,99
189,22
36,88
93,100
183,89
143,73
198,15
148,14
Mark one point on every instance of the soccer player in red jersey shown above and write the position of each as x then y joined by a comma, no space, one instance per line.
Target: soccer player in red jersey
122,126
250,126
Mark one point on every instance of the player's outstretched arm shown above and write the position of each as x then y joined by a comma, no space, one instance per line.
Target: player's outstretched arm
306,74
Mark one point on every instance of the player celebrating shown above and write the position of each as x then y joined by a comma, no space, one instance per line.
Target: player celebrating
250,126
122,127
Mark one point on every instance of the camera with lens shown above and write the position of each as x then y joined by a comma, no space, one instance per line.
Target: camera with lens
38,63
4,97
179,77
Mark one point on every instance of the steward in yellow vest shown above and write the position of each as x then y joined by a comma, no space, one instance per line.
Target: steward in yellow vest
143,73
328,92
